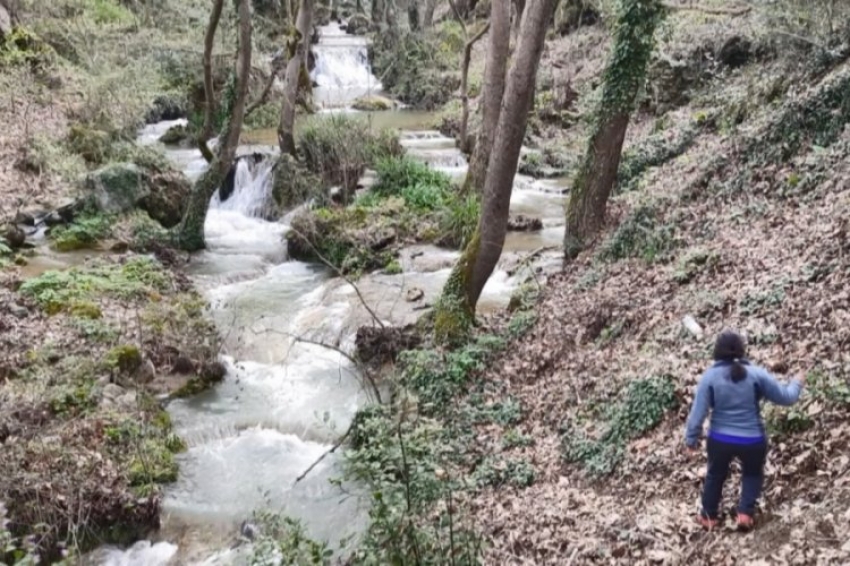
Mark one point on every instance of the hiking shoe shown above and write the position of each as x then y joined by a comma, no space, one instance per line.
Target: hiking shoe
706,522
745,522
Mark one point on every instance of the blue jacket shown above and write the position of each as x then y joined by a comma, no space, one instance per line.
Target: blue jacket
735,410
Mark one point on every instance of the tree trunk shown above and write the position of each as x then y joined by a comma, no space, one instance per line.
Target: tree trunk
494,87
190,232
519,8
413,14
428,13
456,309
378,9
294,71
464,86
622,79
209,91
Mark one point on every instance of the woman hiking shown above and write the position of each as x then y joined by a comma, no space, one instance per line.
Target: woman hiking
732,389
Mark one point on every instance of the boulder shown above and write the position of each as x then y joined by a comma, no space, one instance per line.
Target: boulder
373,103
175,135
522,223
167,197
358,24
122,187
166,107
117,187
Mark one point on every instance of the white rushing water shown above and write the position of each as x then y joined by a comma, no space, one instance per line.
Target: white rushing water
342,70
285,399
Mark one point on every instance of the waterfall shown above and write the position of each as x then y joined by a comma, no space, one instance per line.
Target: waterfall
251,191
342,70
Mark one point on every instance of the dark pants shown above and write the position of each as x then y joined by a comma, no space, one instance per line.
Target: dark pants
720,455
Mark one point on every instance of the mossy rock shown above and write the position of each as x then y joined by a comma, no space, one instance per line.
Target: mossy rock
293,184
373,103
167,197
176,135
117,187
166,107
358,24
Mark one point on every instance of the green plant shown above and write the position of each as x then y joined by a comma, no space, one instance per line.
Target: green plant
640,235
58,290
496,472
643,406
282,540
83,232
767,299
459,220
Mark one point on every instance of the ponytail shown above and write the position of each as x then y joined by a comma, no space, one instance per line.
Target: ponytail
730,347
738,371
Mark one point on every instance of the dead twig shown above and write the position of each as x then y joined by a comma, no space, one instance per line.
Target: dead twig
324,455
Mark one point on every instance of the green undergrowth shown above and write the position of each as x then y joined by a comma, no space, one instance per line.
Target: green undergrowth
418,455
137,277
642,407
410,203
84,232
420,68
658,148
642,234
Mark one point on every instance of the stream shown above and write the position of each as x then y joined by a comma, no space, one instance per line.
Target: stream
285,400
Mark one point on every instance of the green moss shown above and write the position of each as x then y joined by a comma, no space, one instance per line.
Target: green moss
372,103
393,268
125,358
85,309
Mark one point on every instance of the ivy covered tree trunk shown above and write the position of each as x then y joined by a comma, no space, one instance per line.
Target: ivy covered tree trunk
456,310
190,231
295,70
623,77
498,50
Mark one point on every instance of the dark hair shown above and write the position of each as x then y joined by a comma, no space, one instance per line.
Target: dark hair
730,347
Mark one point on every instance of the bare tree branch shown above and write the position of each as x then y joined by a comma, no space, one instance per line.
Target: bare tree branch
711,11
331,450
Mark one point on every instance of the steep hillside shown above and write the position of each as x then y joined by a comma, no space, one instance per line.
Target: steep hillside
746,229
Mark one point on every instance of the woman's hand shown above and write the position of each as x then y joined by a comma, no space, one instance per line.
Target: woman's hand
691,451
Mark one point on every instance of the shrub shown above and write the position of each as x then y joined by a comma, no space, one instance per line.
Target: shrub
339,148
83,232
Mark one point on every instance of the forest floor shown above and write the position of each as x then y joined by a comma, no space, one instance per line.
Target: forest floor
759,246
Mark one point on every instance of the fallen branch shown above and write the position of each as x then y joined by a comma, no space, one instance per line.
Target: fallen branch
342,276
363,370
527,259
711,11
331,450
